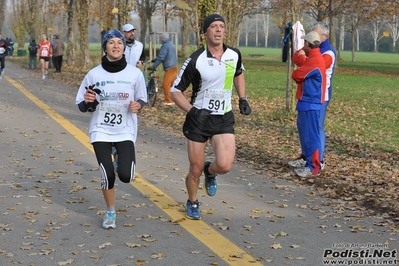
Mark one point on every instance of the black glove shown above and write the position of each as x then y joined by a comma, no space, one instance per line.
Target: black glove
153,60
199,115
91,107
245,109
151,69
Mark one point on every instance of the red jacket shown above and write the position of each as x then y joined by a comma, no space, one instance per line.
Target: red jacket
310,77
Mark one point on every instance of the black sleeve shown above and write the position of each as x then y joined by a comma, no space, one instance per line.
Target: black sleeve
188,75
83,106
142,57
239,67
141,102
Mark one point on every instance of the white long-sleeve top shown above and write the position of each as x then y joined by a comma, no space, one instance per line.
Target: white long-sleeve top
112,121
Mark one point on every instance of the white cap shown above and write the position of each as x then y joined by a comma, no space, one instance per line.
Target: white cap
128,27
312,37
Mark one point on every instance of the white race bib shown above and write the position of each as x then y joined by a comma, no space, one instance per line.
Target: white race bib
44,53
112,114
216,100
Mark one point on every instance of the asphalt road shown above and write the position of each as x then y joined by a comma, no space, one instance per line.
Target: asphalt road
51,203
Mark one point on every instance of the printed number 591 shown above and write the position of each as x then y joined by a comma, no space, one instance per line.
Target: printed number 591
216,104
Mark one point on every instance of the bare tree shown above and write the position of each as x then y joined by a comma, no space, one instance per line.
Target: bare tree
374,28
393,26
17,21
33,18
358,13
266,26
146,9
246,25
341,30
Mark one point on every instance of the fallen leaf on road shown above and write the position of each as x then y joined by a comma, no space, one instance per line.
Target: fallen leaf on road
276,246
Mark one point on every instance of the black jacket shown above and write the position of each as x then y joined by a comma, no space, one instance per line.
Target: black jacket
32,48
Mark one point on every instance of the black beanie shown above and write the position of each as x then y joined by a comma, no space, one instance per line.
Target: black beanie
210,19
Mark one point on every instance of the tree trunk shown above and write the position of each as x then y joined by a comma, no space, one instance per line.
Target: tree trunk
185,29
353,45
2,12
83,23
332,37
71,47
33,6
289,89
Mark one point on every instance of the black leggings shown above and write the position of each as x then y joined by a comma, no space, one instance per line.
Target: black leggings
2,62
126,162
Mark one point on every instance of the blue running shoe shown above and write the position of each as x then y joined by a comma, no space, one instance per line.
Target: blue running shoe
192,210
109,220
210,183
115,162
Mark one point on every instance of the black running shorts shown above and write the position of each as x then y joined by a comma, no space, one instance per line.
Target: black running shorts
214,125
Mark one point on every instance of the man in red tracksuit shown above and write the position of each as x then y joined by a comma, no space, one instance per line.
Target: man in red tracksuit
311,80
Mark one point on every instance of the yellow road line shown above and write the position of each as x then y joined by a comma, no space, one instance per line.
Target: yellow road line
221,246
71,128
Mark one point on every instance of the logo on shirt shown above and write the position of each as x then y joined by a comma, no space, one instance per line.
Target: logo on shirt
210,62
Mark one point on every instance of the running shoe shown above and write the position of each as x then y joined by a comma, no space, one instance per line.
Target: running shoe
192,210
304,172
210,182
115,162
109,220
297,163
43,77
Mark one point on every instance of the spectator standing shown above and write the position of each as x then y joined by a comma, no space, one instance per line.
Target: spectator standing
58,53
45,50
167,55
51,62
329,55
10,47
3,54
134,51
113,89
311,80
212,71
32,54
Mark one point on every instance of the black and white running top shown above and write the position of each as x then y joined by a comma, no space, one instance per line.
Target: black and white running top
211,79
